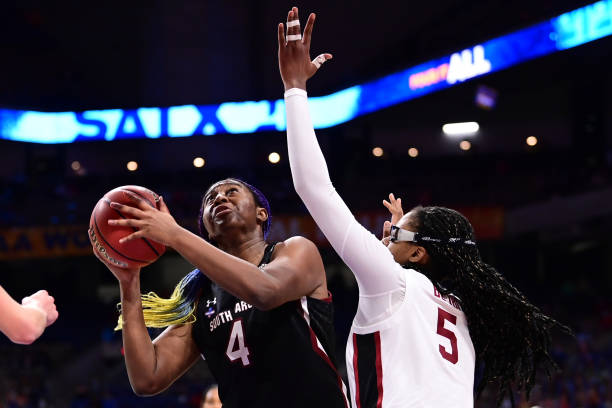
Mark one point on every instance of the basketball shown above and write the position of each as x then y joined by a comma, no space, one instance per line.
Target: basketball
105,238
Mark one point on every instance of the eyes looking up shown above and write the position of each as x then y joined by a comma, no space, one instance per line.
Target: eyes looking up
229,192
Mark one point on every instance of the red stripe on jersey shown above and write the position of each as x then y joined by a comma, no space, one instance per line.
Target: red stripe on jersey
356,370
328,299
315,346
379,373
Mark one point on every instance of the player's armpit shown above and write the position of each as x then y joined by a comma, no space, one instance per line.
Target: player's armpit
175,353
296,270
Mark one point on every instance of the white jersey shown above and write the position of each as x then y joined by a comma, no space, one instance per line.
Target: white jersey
408,346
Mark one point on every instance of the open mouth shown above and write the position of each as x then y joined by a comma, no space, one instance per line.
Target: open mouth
220,210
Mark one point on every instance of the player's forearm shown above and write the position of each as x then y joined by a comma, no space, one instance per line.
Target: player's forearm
26,324
310,175
239,277
140,358
308,166
361,251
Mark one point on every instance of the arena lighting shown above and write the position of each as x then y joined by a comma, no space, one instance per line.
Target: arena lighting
198,162
413,152
274,157
531,141
565,31
75,165
132,166
465,145
377,151
460,129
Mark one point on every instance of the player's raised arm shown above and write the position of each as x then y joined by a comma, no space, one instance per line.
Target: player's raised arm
367,257
24,323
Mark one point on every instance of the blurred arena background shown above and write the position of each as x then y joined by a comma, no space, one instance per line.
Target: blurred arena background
541,206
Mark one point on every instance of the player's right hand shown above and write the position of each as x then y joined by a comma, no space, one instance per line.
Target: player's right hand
294,52
122,274
43,302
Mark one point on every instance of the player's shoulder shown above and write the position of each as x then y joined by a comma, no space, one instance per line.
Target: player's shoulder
296,243
417,280
296,247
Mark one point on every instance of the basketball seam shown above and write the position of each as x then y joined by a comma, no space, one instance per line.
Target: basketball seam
141,196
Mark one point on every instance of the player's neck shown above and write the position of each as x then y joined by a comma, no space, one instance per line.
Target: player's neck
250,249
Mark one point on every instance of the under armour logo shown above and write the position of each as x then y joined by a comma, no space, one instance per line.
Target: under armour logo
211,302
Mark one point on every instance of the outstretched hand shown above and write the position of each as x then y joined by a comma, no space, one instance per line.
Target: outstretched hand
294,52
395,208
150,222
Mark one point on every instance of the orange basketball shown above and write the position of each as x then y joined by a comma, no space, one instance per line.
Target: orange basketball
105,238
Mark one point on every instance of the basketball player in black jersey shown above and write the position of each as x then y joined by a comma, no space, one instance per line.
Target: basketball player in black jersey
259,313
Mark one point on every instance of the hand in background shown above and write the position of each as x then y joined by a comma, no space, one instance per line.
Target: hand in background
42,301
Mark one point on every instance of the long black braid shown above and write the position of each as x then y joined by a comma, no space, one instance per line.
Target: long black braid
511,336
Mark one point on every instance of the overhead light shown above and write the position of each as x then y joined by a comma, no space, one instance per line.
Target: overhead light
531,141
460,129
377,151
132,166
413,152
75,165
274,157
198,162
465,145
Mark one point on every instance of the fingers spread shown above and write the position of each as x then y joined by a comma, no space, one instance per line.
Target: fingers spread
126,222
308,28
386,229
126,209
293,26
140,203
281,35
130,237
162,205
320,60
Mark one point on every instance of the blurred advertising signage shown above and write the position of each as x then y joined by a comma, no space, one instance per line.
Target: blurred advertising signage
568,30
72,240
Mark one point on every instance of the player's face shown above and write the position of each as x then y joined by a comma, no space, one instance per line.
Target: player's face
404,252
229,205
212,399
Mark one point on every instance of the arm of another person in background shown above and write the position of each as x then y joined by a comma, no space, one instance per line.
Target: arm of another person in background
370,261
152,366
295,271
24,323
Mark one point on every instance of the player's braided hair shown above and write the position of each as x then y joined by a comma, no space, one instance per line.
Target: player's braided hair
511,336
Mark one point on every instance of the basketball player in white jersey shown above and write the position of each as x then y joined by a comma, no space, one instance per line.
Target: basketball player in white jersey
429,307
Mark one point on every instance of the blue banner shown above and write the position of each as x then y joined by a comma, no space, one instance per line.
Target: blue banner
562,32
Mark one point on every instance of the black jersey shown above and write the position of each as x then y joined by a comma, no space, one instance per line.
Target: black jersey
284,357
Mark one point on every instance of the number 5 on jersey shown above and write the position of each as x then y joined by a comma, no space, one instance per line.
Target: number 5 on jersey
453,356
240,350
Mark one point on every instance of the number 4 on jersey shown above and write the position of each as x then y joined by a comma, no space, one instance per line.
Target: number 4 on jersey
240,350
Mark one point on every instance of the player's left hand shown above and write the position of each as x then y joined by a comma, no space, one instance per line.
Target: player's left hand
158,225
294,52
395,208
